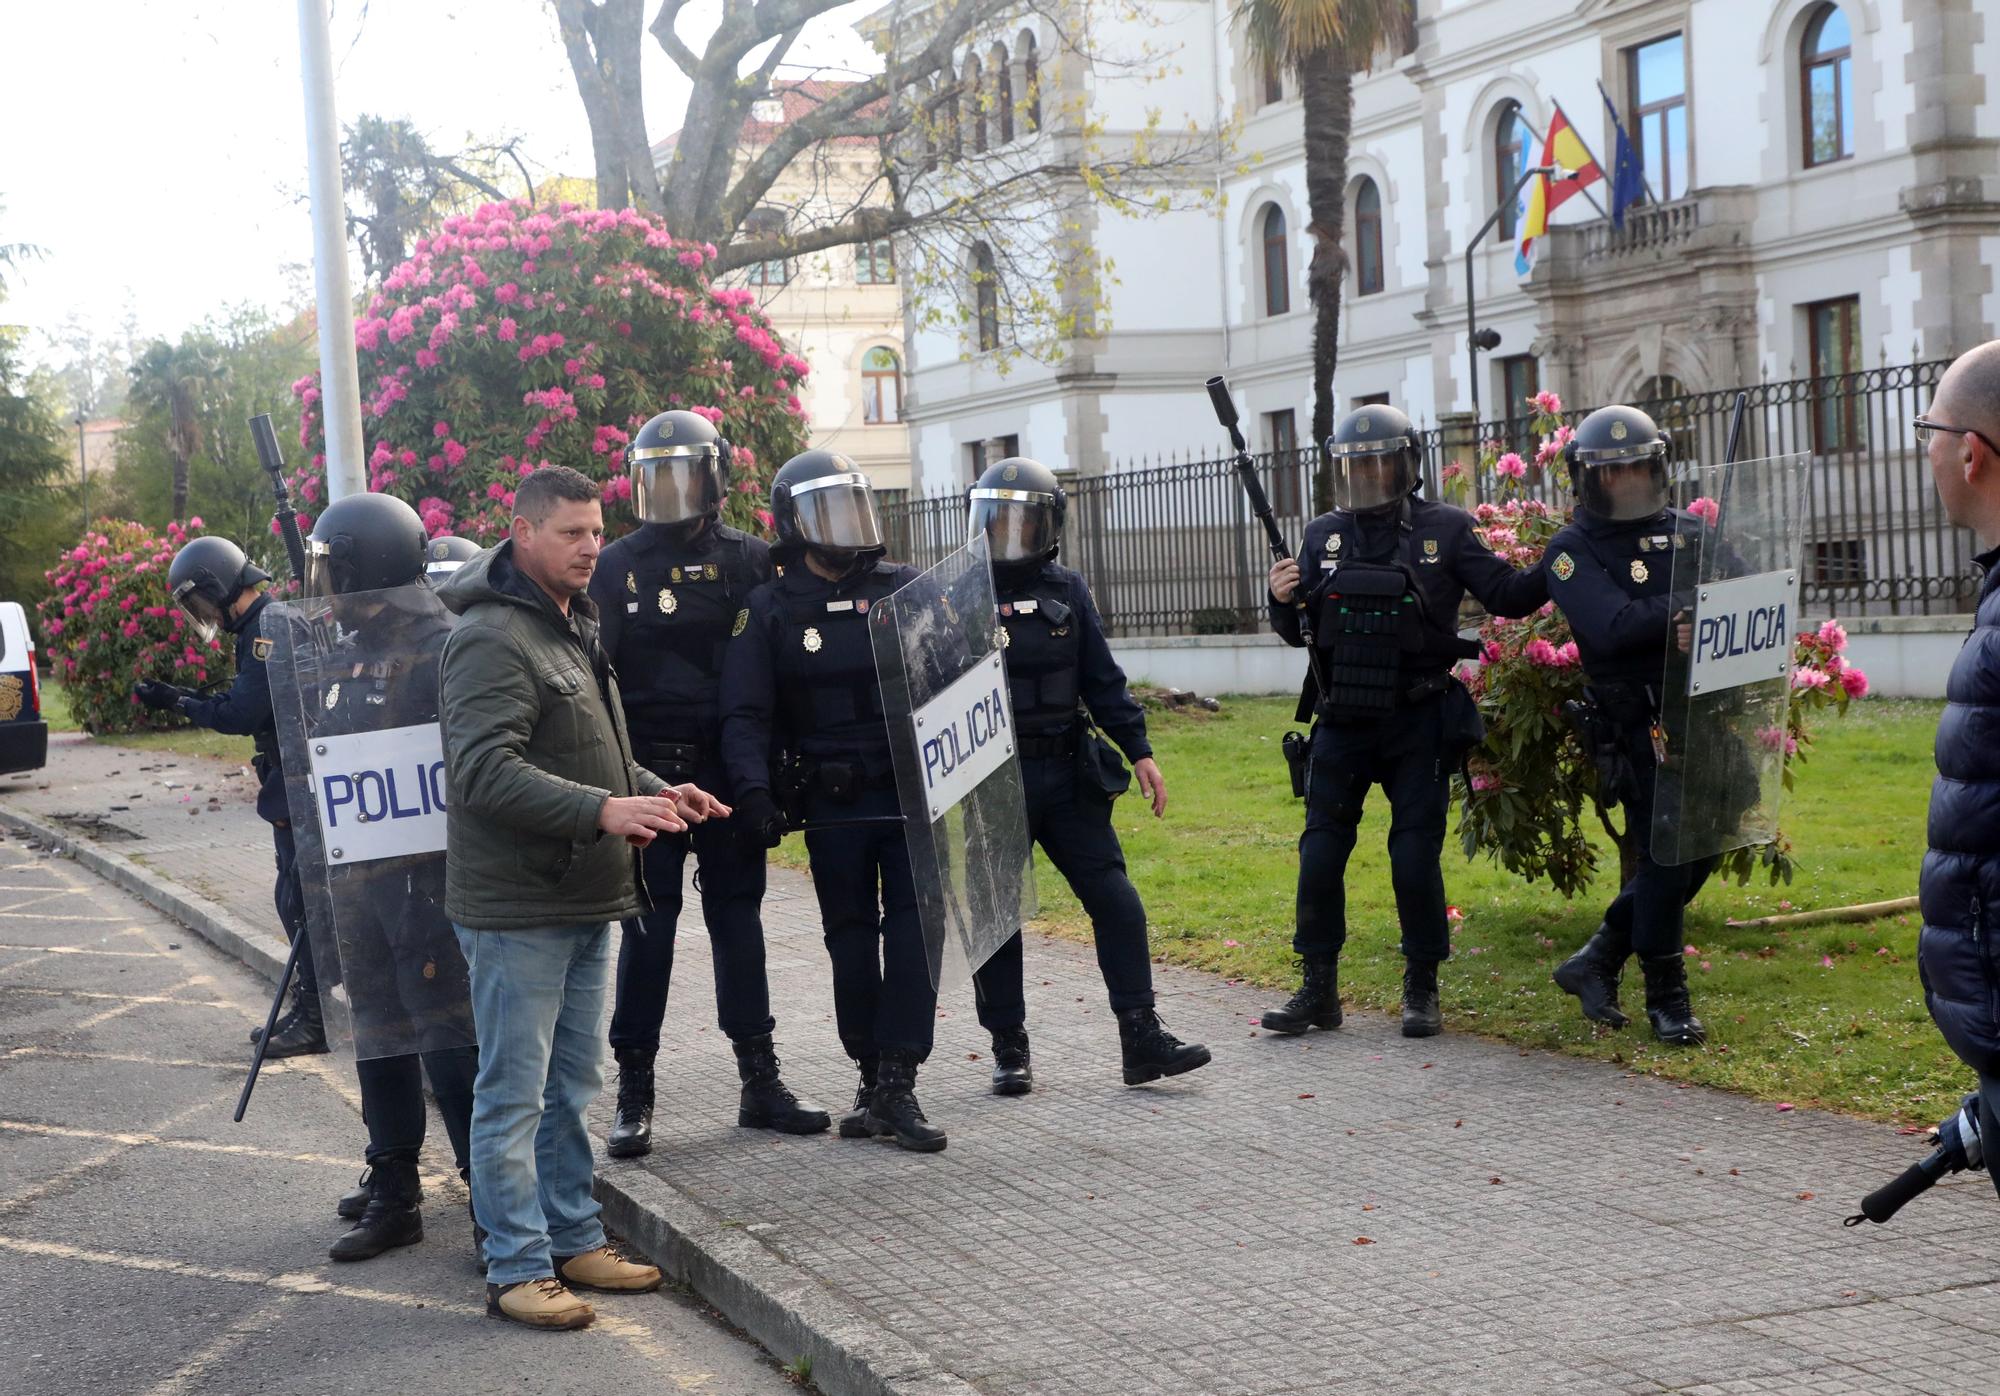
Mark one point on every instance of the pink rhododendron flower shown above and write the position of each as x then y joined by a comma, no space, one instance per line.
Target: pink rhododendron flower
1705,509
1805,676
1854,681
1510,465
1539,651
1547,403
1833,635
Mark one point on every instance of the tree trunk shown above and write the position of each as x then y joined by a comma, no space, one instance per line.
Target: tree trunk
603,42
1326,85
180,504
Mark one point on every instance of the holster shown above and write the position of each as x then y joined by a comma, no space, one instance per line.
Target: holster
672,762
1600,720
1099,766
1298,753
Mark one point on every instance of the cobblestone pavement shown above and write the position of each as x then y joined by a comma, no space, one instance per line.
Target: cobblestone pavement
1345,1212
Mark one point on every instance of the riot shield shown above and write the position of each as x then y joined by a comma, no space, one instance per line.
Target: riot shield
1726,699
354,685
938,655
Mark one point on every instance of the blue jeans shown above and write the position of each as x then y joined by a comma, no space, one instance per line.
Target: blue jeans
537,1001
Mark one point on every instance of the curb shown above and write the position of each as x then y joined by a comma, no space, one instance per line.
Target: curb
786,1311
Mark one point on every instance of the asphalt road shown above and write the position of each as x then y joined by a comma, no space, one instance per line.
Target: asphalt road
152,1246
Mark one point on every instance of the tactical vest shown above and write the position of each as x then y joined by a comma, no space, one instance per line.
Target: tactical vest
678,619
825,668
1044,657
1365,615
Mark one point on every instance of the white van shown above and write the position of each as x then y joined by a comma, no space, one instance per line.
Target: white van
24,737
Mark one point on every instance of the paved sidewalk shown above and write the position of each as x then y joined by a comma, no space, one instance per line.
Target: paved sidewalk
1345,1212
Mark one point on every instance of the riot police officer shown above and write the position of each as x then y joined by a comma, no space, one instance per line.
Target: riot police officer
401,961
1061,678
799,692
218,589
667,596
444,555
1610,570
1376,588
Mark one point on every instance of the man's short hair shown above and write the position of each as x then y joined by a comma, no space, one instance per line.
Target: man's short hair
537,496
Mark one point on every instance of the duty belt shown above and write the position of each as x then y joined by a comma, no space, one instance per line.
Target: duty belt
1059,744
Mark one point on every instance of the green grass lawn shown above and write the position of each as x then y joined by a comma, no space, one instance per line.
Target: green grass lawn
183,741
1831,1016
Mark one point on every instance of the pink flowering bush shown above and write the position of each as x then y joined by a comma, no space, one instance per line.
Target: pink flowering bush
517,337
1532,783
109,622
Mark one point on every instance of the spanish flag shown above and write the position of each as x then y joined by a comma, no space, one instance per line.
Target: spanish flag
1565,150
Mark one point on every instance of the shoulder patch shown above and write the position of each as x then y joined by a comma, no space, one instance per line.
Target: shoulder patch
742,621
1564,567
262,646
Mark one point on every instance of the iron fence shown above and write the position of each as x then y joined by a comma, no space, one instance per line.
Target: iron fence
1170,547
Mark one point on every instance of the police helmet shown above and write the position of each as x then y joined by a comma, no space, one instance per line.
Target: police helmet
365,542
1019,505
206,577
679,466
1372,456
821,500
1618,464
445,555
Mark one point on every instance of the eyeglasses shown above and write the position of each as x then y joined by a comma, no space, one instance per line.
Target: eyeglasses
1924,430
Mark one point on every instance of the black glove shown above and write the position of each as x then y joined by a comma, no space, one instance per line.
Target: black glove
758,818
155,694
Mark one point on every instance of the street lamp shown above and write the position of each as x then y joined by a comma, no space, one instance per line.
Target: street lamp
82,468
1476,338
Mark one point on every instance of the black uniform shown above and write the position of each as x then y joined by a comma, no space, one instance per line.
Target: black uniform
1612,580
1410,751
799,679
244,710
667,602
1058,667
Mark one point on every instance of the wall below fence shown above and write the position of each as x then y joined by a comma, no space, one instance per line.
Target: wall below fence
1903,656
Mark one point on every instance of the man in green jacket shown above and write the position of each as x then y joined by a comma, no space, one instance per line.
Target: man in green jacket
547,812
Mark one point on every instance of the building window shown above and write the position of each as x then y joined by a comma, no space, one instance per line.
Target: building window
1827,63
1277,283
1003,95
875,263
1271,85
990,451
881,387
1840,562
1031,85
1370,400
767,223
1833,333
973,101
1367,238
1281,433
1656,76
986,297
1510,157
1520,379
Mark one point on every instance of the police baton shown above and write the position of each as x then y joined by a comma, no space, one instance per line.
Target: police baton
270,1020
1260,505
813,826
273,462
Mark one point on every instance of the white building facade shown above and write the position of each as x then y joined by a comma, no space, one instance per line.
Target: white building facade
1826,200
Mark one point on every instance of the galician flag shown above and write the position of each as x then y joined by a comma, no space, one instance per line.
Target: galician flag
1565,150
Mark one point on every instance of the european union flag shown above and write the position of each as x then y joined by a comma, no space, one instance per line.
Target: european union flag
1628,177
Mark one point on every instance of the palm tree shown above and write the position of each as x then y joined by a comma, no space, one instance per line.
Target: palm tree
177,378
1324,42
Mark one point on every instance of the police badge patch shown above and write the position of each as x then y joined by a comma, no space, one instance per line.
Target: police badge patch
742,620
631,583
1639,572
1333,543
1564,567
812,640
332,699
669,603
261,647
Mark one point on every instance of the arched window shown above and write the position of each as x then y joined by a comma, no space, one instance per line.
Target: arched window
1031,82
986,296
1510,157
766,223
1826,66
974,108
1367,238
1003,95
1277,281
881,387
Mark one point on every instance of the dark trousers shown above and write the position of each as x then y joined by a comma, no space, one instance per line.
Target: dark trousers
392,1102
1403,753
883,996
729,874
1650,909
290,899
1072,823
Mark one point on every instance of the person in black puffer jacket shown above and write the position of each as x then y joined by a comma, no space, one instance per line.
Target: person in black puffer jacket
1956,955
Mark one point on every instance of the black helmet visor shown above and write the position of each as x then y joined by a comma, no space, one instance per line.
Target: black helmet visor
1019,525
673,484
199,608
1372,479
1624,490
837,511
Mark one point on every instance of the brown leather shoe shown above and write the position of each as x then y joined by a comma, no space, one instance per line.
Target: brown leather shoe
542,1303
607,1270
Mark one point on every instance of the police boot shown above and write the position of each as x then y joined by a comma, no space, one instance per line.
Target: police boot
1151,1051
1012,1074
767,1103
1667,1002
1315,1005
354,1201
391,1218
854,1124
893,1112
304,1036
632,1126
285,1019
1420,999
1591,974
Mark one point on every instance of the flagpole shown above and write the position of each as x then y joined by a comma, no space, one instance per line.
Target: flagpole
340,381
1602,173
1638,152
